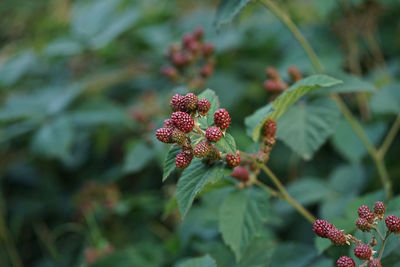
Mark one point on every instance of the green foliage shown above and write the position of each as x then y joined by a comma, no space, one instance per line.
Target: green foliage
169,161
228,10
205,261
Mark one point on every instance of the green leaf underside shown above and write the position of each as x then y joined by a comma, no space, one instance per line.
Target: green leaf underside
213,98
227,144
227,10
350,84
169,162
275,109
241,216
194,178
305,127
205,261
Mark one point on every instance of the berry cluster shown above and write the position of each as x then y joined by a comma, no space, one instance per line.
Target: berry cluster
367,220
192,59
268,140
183,126
274,84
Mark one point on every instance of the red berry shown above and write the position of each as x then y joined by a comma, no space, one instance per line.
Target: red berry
345,261
179,59
232,160
182,160
272,73
363,225
191,101
178,136
213,134
222,118
176,102
379,208
168,123
169,72
336,236
202,149
203,106
272,86
240,173
207,70
294,73
393,224
198,33
322,228
363,252
164,135
214,153
365,213
187,39
208,49
269,128
374,263
183,121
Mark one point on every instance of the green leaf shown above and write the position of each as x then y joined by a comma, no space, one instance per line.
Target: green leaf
275,109
205,261
227,144
309,190
241,216
193,179
293,255
351,84
322,244
349,145
213,98
137,157
306,126
227,10
169,161
258,253
387,101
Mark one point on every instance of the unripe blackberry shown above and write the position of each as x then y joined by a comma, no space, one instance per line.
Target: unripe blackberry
164,135
176,102
363,225
222,118
322,228
294,73
168,123
379,209
213,134
345,261
240,173
269,128
191,101
183,121
272,73
187,39
272,86
198,33
208,49
178,136
366,213
179,59
203,106
207,70
182,160
374,263
202,149
170,72
233,160
336,236
214,153
363,252
393,224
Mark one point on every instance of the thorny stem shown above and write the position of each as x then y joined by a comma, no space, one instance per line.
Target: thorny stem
383,174
281,188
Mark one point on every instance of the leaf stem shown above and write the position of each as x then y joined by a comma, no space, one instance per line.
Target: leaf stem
383,245
389,138
271,191
382,171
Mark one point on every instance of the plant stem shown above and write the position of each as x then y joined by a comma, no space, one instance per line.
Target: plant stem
271,191
383,174
389,138
383,245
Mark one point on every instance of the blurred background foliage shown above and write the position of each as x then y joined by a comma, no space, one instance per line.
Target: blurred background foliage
82,94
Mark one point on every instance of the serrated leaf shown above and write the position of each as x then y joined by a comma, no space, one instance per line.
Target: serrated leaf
351,84
387,101
169,162
137,157
241,216
306,126
227,144
193,179
275,109
205,261
214,100
258,253
227,10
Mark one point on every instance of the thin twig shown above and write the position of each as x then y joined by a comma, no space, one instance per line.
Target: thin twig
389,138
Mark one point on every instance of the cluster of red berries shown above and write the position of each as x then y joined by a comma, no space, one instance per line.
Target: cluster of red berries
187,109
192,59
268,140
367,220
274,84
